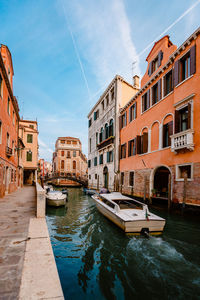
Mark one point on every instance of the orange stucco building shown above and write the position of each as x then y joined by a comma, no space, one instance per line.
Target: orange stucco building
160,132
9,119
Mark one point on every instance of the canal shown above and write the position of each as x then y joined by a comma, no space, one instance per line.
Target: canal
96,260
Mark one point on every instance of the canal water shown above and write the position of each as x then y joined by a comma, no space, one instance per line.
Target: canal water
96,260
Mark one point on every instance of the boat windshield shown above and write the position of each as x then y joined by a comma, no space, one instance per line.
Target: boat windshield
107,202
128,204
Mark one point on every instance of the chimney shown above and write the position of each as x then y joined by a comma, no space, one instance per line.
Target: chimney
136,81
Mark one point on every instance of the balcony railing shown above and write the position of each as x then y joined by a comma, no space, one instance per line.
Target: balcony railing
182,140
106,142
8,151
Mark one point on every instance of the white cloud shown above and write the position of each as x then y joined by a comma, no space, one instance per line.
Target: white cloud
103,35
44,150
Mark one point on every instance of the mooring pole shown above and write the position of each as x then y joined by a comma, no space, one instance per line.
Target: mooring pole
145,187
169,192
184,191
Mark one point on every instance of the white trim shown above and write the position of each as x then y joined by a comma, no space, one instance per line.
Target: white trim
188,98
184,81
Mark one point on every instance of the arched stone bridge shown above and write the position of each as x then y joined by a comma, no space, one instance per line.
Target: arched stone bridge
80,179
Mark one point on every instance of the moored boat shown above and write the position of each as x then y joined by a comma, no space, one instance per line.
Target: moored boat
56,198
129,214
89,191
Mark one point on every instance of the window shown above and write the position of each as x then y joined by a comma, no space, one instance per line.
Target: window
185,67
111,131
31,126
132,147
96,115
62,164
168,87
29,155
74,164
110,156
102,105
1,85
123,151
155,64
62,141
96,138
89,122
183,118
112,94
122,178
89,163
68,154
131,179
106,131
155,94
62,153
95,161
123,120
8,140
8,106
184,170
95,176
90,144
74,153
107,100
89,176
167,132
29,138
144,143
101,159
133,112
101,135
146,101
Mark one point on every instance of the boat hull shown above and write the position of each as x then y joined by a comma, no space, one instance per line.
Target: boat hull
56,202
154,227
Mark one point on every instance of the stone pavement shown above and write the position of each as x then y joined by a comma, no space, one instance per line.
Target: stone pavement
16,209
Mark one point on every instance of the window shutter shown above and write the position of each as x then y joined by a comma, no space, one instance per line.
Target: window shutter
120,151
142,103
172,79
148,98
170,128
160,57
189,115
193,60
177,122
159,90
145,142
163,136
125,118
134,146
129,148
135,110
125,150
138,142
176,73
165,86
108,157
120,122
130,118
150,69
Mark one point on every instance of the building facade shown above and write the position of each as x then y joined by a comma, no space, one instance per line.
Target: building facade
44,168
160,142
28,133
103,133
9,118
69,159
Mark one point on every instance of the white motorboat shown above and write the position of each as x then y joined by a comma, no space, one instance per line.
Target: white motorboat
56,198
129,214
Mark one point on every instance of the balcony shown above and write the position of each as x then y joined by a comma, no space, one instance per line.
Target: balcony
182,140
8,151
106,142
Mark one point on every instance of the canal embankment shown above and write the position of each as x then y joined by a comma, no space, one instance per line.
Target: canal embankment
27,264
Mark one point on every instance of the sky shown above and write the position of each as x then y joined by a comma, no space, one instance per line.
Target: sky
65,53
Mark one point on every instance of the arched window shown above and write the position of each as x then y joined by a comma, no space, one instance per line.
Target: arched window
62,153
74,164
106,131
111,132
62,164
101,135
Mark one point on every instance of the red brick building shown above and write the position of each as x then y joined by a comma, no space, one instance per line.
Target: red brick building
9,119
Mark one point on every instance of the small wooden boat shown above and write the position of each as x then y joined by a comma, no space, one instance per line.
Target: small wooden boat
129,214
56,198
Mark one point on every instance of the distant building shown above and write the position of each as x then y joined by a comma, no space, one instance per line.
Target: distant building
9,118
44,168
68,158
28,133
103,133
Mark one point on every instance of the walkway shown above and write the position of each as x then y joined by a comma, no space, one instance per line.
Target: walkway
16,209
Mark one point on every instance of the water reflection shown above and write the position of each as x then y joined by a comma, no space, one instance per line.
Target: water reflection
96,260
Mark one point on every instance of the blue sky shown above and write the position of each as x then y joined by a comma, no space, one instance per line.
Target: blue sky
66,52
